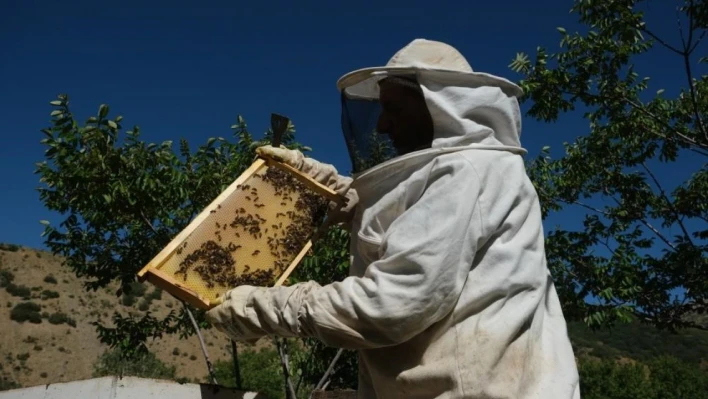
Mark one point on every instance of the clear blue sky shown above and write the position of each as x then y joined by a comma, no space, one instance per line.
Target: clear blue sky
186,69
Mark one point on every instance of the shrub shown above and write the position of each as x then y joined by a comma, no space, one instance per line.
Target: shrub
128,300
136,289
192,357
43,375
144,305
175,352
37,288
6,384
23,356
47,294
61,318
9,247
155,295
260,372
145,366
660,378
26,311
6,277
19,291
29,340
50,279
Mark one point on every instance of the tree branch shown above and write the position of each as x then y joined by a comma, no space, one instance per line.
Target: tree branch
643,109
283,353
666,125
689,74
210,367
669,203
325,376
652,228
237,369
663,43
147,221
698,41
600,211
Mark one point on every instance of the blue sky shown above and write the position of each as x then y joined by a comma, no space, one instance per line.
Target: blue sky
187,69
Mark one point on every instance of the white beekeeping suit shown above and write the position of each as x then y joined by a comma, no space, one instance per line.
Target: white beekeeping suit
449,295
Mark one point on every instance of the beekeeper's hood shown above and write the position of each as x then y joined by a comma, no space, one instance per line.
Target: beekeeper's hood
468,109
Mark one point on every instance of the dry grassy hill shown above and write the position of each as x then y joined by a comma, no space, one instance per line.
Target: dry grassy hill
34,354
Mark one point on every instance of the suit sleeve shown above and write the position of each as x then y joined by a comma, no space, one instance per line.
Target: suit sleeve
426,255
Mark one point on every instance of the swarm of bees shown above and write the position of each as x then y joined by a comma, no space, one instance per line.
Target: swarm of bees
216,264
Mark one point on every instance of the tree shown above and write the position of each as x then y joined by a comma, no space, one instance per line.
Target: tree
145,365
660,378
625,257
124,200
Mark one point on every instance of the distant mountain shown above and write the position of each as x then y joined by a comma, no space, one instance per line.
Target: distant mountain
63,346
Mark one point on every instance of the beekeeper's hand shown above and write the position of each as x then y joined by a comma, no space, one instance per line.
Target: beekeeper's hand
240,315
229,315
281,154
322,173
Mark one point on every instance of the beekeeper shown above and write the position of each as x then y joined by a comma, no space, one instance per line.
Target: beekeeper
449,295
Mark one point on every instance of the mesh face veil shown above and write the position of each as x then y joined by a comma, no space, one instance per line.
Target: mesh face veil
367,132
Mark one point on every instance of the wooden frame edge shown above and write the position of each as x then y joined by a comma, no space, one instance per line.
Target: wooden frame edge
314,185
293,264
167,283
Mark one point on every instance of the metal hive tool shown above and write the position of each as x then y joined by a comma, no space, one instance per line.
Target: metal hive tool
255,233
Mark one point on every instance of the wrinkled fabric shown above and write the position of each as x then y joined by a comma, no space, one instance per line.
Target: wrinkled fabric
449,294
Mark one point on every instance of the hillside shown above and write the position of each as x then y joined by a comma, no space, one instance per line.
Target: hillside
64,345
34,354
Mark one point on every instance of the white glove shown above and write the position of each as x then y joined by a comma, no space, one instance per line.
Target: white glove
280,154
324,174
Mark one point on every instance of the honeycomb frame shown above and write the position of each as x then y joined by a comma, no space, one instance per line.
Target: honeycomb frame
164,270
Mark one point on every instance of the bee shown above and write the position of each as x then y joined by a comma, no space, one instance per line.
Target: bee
218,206
218,226
212,211
248,198
238,235
283,204
256,252
179,251
259,205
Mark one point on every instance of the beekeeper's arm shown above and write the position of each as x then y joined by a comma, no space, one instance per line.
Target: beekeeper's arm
324,174
426,256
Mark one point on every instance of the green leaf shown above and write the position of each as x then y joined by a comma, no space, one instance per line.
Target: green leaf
112,124
44,222
56,112
55,102
561,30
103,111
